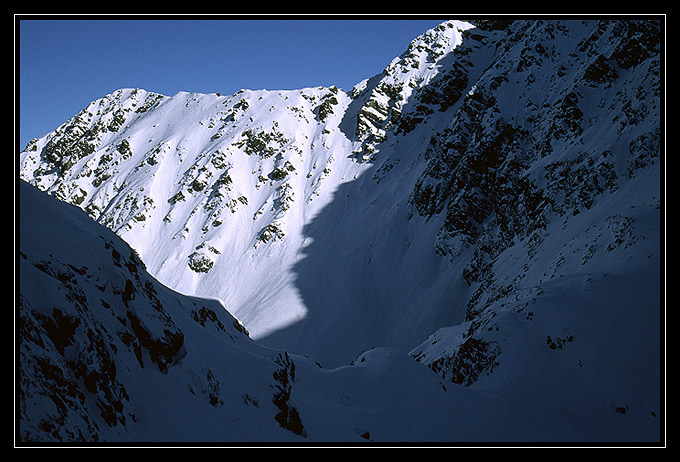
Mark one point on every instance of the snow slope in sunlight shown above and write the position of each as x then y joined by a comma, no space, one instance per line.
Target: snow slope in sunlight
217,193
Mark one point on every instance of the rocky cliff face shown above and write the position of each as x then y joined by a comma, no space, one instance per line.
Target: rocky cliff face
490,204
552,128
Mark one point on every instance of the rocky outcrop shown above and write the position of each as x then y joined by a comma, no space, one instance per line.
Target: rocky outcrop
524,149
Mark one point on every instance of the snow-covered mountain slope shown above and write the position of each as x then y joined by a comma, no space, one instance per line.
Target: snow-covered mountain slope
489,205
108,354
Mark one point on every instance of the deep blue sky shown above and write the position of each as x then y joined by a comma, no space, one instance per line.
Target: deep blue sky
64,64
